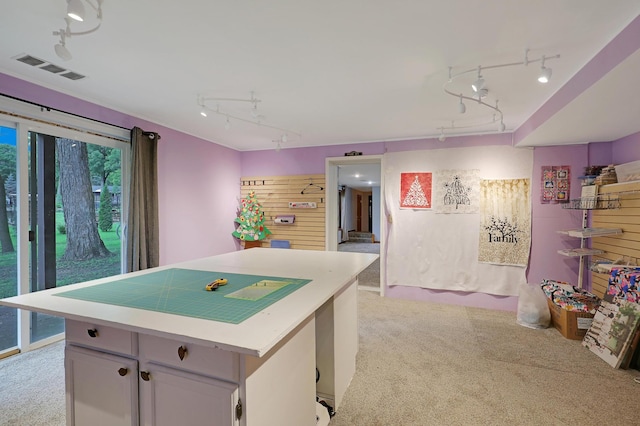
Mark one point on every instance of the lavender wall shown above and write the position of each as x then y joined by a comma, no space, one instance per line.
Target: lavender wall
548,219
299,161
198,180
626,149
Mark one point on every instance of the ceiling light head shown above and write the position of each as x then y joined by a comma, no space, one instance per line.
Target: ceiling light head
545,74
480,94
203,112
478,84
442,136
461,106
75,10
61,49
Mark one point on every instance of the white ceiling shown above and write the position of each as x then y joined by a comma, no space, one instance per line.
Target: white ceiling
362,177
333,72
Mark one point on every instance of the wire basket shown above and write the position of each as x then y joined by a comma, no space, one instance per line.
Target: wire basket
600,202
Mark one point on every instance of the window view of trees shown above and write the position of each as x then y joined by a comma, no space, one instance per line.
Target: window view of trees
89,178
7,184
88,202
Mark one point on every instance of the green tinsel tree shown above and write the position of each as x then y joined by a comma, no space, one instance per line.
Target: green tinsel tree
251,220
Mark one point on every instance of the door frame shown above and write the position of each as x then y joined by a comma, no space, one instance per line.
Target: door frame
331,206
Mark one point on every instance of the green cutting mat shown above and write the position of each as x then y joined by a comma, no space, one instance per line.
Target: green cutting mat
182,292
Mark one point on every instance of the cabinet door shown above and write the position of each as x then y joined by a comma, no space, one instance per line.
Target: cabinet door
173,397
102,389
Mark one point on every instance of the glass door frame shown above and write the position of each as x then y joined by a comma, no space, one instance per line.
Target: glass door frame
63,126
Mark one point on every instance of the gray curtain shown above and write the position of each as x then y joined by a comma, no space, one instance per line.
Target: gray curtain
143,246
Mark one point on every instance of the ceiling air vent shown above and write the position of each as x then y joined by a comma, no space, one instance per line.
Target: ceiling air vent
30,60
72,75
48,66
53,68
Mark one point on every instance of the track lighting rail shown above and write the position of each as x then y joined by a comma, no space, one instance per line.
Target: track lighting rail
480,92
202,102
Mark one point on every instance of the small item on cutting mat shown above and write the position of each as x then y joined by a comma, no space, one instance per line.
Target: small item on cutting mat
215,284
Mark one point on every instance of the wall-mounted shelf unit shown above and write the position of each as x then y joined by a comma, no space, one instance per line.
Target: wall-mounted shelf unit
618,248
591,199
579,252
591,232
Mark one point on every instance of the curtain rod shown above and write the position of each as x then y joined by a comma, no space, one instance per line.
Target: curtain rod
39,120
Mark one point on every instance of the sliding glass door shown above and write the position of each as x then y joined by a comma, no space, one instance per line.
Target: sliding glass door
8,233
75,210
60,219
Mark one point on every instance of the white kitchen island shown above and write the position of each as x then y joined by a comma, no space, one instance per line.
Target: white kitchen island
134,366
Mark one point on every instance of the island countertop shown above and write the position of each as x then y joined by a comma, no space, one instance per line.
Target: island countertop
329,272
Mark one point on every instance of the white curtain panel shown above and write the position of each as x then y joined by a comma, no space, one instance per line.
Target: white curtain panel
440,251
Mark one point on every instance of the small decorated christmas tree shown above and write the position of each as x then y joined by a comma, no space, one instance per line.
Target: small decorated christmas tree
251,220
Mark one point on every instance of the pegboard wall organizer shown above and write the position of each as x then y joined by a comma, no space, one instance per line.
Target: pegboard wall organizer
302,205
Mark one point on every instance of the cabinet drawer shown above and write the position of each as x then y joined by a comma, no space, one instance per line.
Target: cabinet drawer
198,359
102,337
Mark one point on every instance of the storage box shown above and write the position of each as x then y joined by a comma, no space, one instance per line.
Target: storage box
571,324
628,171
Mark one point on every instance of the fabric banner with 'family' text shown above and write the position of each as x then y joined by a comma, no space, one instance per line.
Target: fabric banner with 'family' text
505,221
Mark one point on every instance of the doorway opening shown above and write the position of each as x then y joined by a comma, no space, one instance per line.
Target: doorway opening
353,211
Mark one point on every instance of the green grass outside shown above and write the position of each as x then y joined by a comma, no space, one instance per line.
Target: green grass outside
68,272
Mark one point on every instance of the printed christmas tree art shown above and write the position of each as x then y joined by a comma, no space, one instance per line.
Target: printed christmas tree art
415,196
250,220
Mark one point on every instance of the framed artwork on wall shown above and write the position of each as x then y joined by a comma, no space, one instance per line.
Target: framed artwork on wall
556,183
415,190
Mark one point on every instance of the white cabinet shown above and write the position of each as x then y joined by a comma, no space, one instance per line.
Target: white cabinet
113,379
170,397
187,384
101,388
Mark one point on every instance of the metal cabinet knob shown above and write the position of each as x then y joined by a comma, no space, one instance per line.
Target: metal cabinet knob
123,371
93,332
182,352
145,375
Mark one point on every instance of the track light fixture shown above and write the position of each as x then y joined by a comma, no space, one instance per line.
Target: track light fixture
480,93
254,116
442,137
545,73
478,85
75,11
61,48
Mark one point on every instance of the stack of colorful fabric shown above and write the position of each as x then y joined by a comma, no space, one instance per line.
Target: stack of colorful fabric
570,297
623,284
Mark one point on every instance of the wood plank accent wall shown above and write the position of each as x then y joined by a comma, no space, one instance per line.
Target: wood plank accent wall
627,217
274,194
